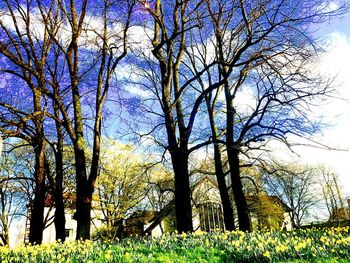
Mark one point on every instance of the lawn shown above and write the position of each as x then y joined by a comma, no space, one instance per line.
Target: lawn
310,245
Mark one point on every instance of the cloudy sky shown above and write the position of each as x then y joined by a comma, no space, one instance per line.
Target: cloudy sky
335,62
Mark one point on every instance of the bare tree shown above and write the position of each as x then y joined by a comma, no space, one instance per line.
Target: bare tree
265,48
178,98
328,181
295,186
16,184
48,43
111,45
26,50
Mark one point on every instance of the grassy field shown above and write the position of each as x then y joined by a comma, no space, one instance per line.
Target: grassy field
310,245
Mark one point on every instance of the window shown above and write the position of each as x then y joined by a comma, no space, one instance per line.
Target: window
211,217
69,232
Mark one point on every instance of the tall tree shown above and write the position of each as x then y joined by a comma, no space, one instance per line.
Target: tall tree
65,25
200,54
107,46
265,49
26,50
167,75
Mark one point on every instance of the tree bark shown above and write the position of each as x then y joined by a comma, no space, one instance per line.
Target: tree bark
169,63
37,214
237,188
179,158
224,195
183,207
38,143
4,219
83,196
233,159
60,220
219,171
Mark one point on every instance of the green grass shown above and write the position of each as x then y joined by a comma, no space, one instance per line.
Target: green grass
329,260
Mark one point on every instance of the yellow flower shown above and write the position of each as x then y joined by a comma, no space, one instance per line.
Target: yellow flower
267,254
198,232
127,256
108,256
281,248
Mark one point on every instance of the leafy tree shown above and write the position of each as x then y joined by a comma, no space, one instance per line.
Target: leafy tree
121,186
267,210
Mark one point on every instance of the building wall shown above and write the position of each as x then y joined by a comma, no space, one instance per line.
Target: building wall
157,231
49,234
288,220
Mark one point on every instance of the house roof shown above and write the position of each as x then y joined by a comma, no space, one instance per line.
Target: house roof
204,179
272,198
69,200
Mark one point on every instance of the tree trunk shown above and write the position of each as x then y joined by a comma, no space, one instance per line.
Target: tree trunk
60,220
37,214
4,220
233,159
219,171
83,195
183,208
224,195
237,188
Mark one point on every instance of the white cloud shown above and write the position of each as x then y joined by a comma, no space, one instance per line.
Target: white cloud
140,40
90,37
333,63
135,90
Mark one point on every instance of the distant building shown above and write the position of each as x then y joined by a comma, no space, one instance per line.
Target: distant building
340,214
49,233
268,212
265,212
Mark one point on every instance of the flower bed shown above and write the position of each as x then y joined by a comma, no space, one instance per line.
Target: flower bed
311,245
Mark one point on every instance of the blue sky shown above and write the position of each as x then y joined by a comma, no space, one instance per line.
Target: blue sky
340,24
